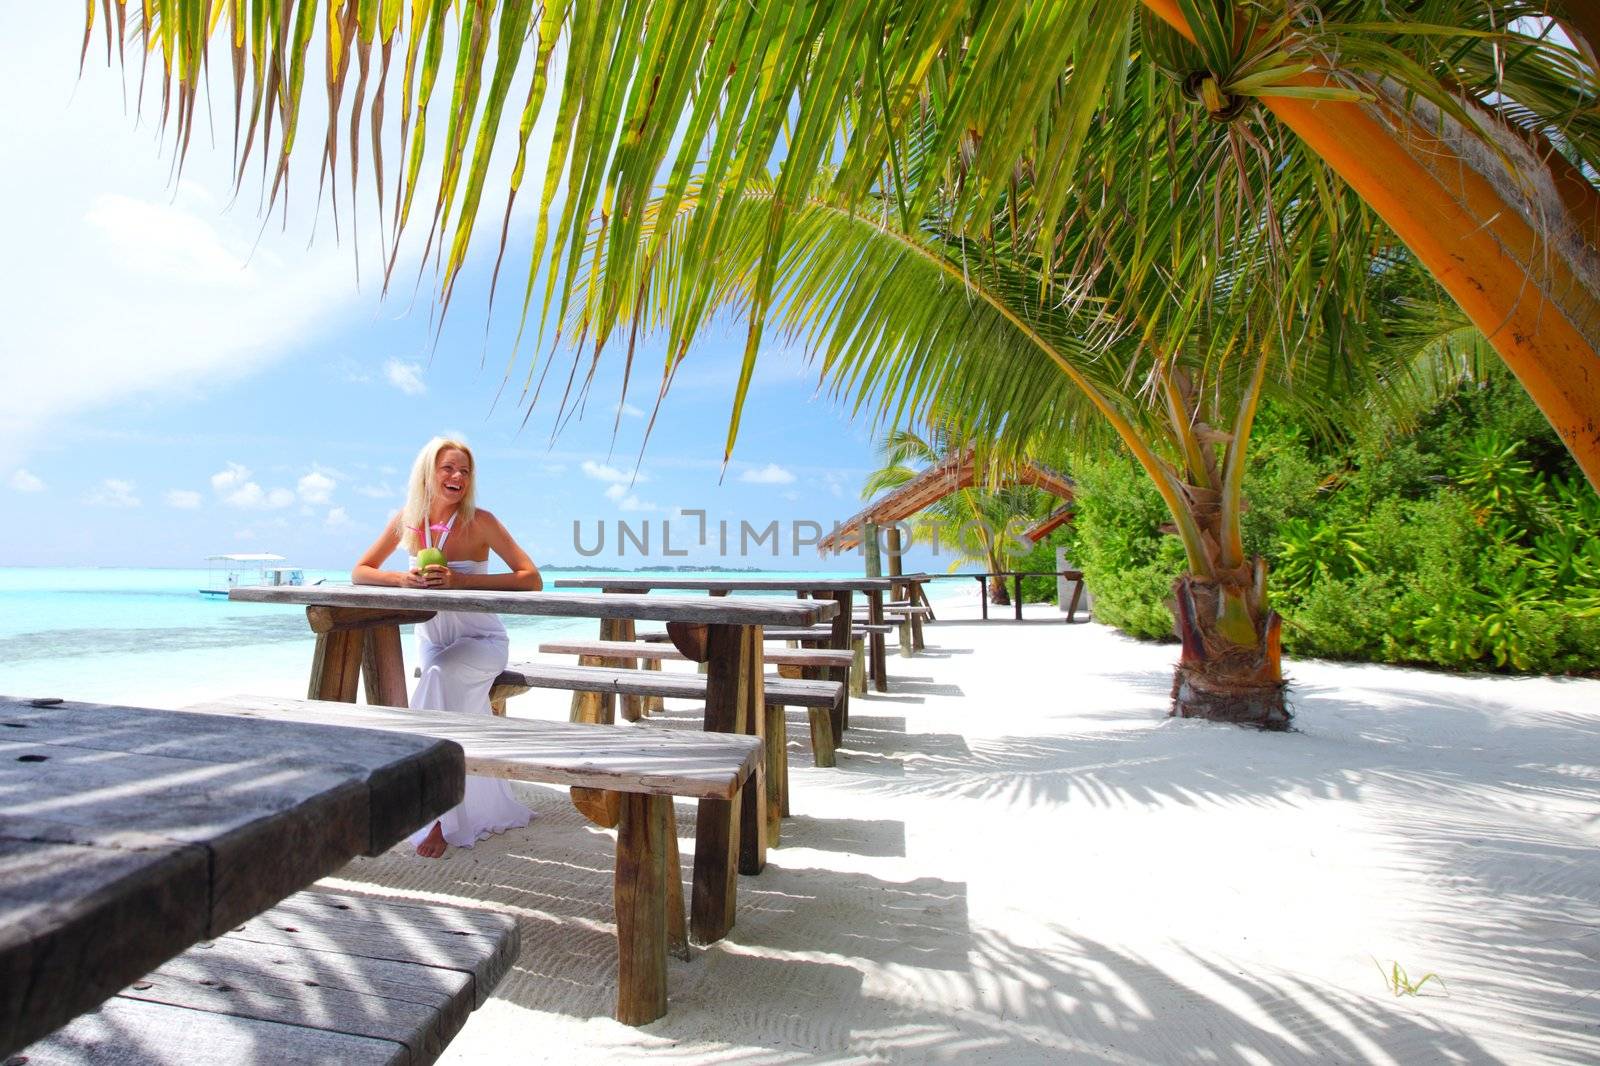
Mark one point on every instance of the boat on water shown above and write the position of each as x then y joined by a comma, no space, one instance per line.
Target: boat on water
246,570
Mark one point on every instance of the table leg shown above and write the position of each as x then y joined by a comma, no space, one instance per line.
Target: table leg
983,595
595,708
640,893
383,667
1016,595
718,823
880,669
841,641
1072,608
755,825
336,666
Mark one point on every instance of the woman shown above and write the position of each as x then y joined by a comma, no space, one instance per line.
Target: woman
461,652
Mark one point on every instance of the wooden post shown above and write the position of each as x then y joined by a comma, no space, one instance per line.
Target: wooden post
880,669
777,749
873,560
858,675
383,667
336,666
633,707
641,902
595,708
894,550
677,924
821,738
716,834
753,828
841,640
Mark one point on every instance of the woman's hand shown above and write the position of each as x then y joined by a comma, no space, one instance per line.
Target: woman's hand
439,577
414,579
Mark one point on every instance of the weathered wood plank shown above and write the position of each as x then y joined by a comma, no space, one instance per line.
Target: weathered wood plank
644,649
724,585
323,619
720,611
128,833
411,780
609,680
480,944
69,895
126,1032
656,761
268,832
321,971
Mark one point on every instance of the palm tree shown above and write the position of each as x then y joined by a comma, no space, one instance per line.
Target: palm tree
1467,125
1156,314
983,525
1102,248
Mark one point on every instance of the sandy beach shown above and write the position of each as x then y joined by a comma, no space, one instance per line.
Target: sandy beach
1020,859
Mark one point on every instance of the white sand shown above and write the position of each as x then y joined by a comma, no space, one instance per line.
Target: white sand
1020,859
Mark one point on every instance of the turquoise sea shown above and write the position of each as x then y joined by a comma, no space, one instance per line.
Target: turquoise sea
147,636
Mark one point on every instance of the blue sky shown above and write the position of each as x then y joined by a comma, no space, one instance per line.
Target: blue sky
183,381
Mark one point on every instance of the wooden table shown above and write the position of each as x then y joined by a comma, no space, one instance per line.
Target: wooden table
1016,576
839,589
358,635
621,778
128,835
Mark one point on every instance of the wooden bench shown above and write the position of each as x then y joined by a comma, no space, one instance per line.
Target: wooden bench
619,778
318,978
822,699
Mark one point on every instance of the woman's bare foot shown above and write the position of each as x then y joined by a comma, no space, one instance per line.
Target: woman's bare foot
433,846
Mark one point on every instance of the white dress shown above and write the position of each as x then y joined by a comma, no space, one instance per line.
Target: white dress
461,653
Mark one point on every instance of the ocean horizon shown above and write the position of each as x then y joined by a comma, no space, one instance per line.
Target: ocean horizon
145,636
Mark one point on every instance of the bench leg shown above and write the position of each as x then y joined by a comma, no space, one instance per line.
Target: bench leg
906,645
858,668
677,924
593,708
641,900
777,747
651,704
916,633
821,737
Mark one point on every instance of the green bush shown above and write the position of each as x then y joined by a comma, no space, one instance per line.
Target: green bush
1470,542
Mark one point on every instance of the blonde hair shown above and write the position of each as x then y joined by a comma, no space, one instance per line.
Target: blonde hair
419,493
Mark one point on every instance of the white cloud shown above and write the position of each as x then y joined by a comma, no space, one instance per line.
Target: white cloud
625,408
337,518
626,500
113,492
233,484
603,472
315,487
376,492
771,474
407,377
231,477
23,481
183,499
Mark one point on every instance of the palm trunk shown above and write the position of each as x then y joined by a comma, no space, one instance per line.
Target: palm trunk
997,591
1229,670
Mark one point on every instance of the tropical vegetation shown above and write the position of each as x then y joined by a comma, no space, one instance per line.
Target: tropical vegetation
1065,217
1465,540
